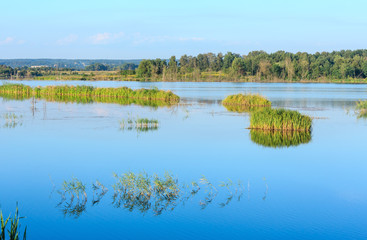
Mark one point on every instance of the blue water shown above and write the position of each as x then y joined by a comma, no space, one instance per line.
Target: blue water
315,190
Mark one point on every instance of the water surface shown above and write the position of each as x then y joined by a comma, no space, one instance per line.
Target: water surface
315,189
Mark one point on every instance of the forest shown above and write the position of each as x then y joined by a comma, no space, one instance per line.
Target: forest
342,66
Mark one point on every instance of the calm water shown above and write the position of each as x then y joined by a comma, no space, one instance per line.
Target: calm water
315,190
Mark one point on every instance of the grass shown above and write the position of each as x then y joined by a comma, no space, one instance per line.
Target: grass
88,91
361,108
280,119
249,100
13,232
278,139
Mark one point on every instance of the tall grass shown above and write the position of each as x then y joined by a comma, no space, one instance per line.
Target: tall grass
88,91
280,119
278,139
13,233
253,100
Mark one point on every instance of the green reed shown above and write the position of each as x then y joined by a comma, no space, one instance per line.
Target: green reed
253,100
140,124
88,91
280,119
12,120
14,232
278,139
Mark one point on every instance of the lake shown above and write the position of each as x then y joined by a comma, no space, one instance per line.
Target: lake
310,189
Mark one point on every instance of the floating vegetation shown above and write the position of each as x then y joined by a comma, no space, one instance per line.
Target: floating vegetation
148,193
279,119
73,198
361,109
278,139
250,100
12,120
139,124
14,232
87,93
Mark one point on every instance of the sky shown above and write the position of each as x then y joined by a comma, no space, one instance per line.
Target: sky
143,29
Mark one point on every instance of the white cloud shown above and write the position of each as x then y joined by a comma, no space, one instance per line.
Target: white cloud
103,38
67,40
7,40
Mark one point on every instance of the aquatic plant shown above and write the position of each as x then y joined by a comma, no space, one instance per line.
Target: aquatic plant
14,231
361,108
278,139
99,190
88,92
279,119
144,192
12,120
241,108
70,190
252,100
139,124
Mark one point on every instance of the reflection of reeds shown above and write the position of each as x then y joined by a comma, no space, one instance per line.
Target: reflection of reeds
14,231
12,120
241,108
278,139
251,100
139,124
280,119
70,190
361,109
147,193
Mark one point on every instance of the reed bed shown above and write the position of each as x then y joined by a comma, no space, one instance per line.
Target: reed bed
88,91
280,119
361,108
251,100
13,233
279,139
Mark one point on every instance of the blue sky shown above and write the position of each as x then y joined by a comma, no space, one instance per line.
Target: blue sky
118,29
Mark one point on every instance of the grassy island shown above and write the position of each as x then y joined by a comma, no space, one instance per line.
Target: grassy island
249,100
87,92
280,119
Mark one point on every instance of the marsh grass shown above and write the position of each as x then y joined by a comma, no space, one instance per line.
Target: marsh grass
241,108
13,233
279,119
361,108
250,100
279,139
88,92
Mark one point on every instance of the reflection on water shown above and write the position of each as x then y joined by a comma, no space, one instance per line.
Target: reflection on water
278,139
241,108
149,193
90,99
12,120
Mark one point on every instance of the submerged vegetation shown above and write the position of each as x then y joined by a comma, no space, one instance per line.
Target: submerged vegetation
87,92
13,233
361,109
278,139
279,119
246,100
149,193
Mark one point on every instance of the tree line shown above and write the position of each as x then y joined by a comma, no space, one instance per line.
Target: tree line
256,65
